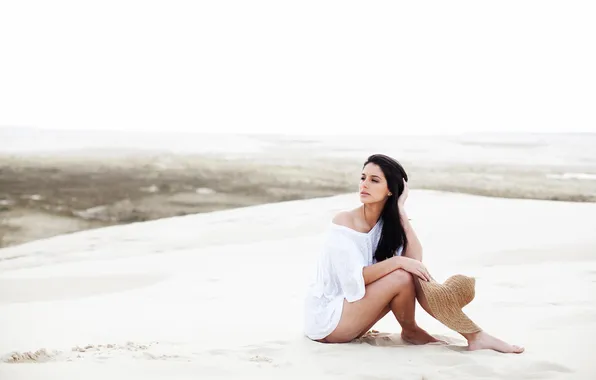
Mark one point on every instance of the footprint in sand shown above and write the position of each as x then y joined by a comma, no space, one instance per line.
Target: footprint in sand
262,355
275,353
93,351
261,359
39,356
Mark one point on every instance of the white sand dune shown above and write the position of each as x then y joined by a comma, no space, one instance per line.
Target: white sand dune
220,294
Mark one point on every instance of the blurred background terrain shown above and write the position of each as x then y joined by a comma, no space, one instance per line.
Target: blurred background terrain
54,182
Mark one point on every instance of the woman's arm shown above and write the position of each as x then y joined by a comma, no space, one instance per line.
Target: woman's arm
373,272
414,248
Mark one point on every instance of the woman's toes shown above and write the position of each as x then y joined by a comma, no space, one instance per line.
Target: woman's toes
518,349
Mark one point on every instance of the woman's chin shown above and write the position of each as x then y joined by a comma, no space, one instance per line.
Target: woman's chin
366,199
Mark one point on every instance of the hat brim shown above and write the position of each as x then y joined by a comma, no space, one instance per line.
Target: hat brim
444,307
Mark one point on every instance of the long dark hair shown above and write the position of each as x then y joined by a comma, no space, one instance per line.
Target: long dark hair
393,234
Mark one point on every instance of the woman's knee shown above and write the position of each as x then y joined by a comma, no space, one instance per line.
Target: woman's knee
401,278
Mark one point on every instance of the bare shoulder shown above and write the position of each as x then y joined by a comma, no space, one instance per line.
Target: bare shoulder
344,218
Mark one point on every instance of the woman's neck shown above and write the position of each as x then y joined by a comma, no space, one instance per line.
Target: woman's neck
372,212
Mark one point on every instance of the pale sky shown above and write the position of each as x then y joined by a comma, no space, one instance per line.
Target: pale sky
299,67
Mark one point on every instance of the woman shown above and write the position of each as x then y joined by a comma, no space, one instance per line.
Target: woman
370,260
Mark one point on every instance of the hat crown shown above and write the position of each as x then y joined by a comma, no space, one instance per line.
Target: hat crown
462,287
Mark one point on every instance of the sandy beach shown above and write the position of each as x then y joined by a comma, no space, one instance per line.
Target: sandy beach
152,264
169,172
219,294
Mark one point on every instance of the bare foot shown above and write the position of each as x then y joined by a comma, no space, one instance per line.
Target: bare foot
418,336
484,341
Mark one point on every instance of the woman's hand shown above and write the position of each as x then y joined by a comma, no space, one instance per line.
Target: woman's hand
415,267
401,201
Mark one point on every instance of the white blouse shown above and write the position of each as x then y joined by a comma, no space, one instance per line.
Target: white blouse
338,275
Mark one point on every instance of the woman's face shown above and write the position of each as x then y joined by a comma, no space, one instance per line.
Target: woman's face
373,185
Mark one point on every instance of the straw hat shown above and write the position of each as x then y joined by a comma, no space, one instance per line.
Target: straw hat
447,300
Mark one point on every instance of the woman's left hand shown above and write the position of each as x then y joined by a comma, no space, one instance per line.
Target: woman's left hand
401,201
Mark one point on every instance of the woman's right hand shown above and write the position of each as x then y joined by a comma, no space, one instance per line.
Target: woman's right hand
415,267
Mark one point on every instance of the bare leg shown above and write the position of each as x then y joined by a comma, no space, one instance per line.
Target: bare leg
476,341
396,290
404,309
379,317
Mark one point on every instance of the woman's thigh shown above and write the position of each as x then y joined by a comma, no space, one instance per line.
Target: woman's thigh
377,319
357,316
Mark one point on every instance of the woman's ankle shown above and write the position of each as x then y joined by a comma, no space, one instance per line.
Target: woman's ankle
470,337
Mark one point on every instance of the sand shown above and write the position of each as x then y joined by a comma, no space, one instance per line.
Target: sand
220,295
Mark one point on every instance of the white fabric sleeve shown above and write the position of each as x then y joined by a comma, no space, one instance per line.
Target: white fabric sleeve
348,263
